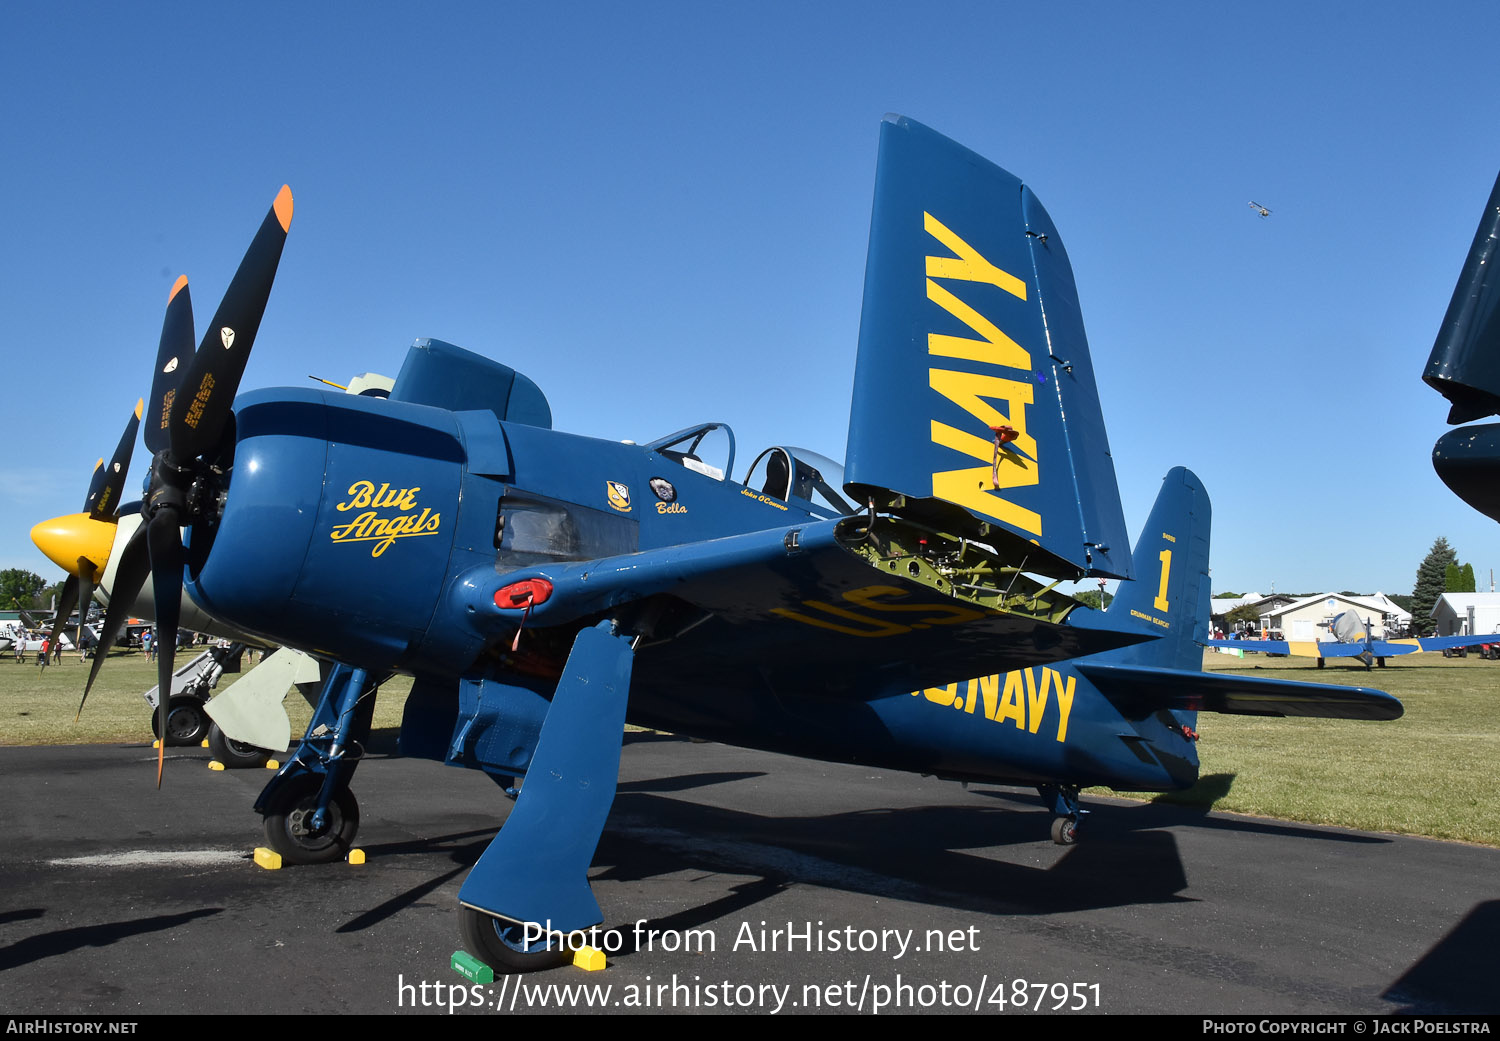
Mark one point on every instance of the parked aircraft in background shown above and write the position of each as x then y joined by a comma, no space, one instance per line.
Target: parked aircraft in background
1464,367
1352,639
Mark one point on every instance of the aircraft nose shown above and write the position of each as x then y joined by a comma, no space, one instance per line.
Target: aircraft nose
65,539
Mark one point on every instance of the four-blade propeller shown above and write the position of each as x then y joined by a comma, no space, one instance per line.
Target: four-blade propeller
186,419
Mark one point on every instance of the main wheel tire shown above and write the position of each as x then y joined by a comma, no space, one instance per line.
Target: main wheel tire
235,755
288,823
187,723
1064,831
497,943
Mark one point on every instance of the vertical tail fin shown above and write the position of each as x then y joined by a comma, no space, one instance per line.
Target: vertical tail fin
975,406
1171,588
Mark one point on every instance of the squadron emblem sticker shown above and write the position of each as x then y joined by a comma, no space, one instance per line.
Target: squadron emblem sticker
619,495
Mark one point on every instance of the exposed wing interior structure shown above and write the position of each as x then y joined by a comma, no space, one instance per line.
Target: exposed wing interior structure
975,407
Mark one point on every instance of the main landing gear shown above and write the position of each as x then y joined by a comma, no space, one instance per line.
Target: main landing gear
187,723
234,755
296,830
502,944
311,816
1062,800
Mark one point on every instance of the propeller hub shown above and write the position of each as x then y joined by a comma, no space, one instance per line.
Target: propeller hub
67,539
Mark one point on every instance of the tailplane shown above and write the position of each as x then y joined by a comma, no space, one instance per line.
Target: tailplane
975,408
1170,596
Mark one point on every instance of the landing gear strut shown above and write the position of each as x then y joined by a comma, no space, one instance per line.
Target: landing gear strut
311,816
1062,800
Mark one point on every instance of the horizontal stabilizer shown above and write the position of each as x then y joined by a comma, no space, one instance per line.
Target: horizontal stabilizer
975,409
1137,690
1465,362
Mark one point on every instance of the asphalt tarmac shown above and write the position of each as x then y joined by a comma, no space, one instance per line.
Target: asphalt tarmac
731,880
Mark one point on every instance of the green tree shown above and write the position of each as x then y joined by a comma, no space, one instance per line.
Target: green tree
49,596
1430,583
1453,579
1091,598
1468,579
1245,613
19,588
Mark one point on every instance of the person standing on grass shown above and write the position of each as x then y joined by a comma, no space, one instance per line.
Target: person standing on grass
41,658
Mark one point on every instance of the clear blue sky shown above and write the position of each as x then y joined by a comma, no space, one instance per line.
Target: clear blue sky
658,211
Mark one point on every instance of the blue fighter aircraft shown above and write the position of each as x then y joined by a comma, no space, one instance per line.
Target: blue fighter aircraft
542,588
1465,367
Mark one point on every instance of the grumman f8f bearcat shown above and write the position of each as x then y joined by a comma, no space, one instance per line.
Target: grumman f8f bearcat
544,588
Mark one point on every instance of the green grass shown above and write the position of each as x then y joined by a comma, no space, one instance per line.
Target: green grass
1435,771
37,706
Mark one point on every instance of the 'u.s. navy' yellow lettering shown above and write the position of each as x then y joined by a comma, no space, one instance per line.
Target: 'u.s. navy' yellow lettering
1019,698
876,598
979,488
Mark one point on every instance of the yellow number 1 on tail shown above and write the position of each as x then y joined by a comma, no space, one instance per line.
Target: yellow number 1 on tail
1160,603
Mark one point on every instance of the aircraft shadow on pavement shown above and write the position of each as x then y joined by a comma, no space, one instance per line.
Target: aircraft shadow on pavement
917,854
65,941
1119,818
1458,974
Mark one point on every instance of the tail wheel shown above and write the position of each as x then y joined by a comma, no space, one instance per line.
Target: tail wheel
502,944
1064,831
289,822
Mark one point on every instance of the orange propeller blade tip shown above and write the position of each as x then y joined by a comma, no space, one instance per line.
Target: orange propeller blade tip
161,759
283,207
177,287
140,405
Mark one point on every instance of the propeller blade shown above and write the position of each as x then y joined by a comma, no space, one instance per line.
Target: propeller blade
96,482
65,604
130,576
104,500
208,388
86,583
173,355
164,541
